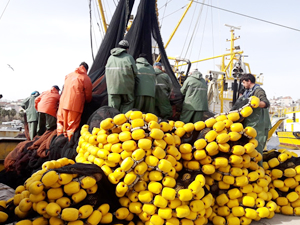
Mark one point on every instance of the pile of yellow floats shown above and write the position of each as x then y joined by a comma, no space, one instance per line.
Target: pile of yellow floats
144,157
285,176
147,160
51,194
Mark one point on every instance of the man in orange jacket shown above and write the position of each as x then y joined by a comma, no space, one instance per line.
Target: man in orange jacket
76,91
46,105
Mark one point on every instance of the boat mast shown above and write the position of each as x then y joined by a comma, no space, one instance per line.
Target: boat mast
232,48
174,31
102,15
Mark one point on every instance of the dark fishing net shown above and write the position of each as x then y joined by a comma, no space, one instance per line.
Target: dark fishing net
144,29
239,104
104,194
101,114
141,36
61,147
106,190
115,33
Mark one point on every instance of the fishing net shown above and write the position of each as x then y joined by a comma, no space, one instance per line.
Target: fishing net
115,33
101,114
103,195
143,34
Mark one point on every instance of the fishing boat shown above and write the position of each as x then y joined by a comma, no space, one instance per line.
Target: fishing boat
289,131
225,83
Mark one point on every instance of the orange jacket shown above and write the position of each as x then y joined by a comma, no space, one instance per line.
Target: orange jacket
76,91
47,102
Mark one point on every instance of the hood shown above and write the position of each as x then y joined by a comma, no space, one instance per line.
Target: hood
35,93
157,71
81,70
54,90
196,74
117,51
142,60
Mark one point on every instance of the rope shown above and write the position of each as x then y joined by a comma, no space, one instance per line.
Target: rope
175,11
188,33
4,9
165,4
91,28
108,9
212,33
163,14
202,37
101,31
196,30
251,17
196,27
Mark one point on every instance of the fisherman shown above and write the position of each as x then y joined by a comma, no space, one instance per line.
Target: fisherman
31,113
47,104
145,86
207,79
76,91
195,101
164,86
120,73
259,119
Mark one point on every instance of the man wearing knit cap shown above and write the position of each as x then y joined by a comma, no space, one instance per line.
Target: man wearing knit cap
120,73
46,105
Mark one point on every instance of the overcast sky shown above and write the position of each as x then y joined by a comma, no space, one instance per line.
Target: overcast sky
42,41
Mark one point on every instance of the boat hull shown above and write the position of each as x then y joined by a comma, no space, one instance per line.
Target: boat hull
7,144
289,139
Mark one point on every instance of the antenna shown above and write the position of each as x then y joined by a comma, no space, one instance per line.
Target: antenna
233,27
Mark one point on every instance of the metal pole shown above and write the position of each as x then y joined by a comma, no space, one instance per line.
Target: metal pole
102,15
174,31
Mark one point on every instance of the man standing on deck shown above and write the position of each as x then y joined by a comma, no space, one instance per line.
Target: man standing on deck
76,91
145,86
259,119
47,104
163,90
31,113
195,101
120,73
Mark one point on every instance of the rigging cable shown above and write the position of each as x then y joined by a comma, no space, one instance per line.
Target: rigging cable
101,29
94,33
165,4
251,17
4,9
175,11
161,22
108,9
188,33
91,29
202,36
191,43
212,33
201,10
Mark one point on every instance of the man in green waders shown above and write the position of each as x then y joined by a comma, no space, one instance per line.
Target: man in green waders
31,113
120,72
164,86
259,119
195,101
145,86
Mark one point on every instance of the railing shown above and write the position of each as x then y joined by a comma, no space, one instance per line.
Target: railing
284,111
